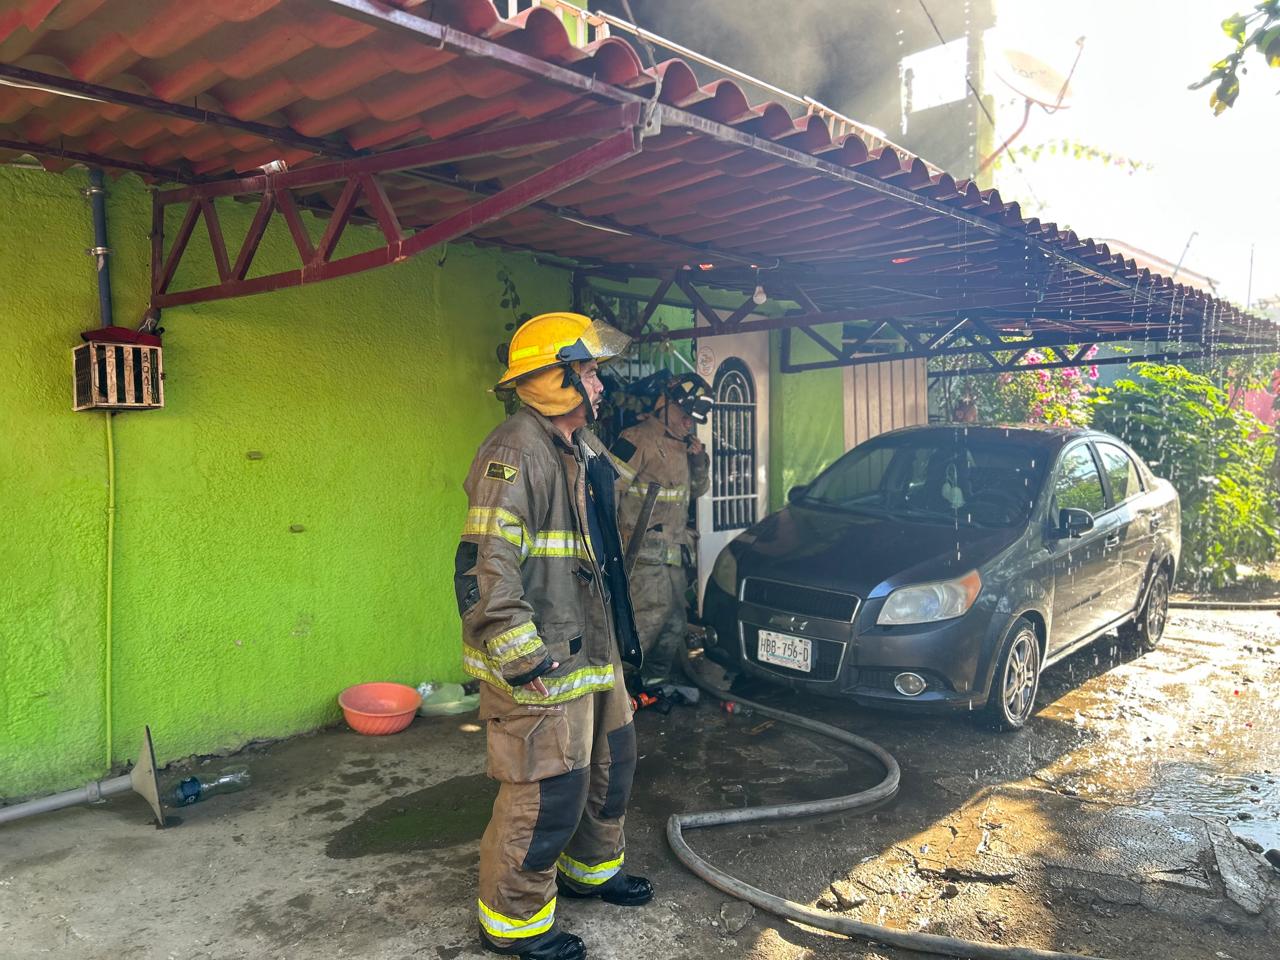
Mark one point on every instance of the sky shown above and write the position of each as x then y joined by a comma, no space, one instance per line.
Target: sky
1210,175
1215,176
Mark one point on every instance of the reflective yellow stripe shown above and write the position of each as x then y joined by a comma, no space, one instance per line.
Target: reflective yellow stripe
558,543
655,552
515,643
496,522
559,689
582,873
624,471
665,495
497,925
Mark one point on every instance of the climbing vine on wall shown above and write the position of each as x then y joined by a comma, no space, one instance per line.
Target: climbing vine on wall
1077,151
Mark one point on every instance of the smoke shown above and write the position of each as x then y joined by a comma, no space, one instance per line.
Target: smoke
843,53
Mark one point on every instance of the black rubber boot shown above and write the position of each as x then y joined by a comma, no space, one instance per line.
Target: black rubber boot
621,889
557,946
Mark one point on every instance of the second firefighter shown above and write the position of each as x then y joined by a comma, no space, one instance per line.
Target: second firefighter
663,450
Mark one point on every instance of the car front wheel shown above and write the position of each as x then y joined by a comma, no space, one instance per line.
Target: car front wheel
1016,679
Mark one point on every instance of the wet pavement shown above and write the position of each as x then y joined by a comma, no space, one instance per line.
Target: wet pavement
1124,821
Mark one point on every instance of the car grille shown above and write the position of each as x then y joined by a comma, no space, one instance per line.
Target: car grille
826,656
877,679
793,598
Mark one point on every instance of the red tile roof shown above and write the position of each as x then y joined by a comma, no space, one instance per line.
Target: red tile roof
725,181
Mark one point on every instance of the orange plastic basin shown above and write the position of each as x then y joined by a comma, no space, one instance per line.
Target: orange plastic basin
379,708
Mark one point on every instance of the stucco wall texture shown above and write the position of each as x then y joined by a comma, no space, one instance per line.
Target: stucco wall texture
365,397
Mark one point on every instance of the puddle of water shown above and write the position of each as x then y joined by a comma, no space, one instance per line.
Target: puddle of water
747,762
1185,789
447,814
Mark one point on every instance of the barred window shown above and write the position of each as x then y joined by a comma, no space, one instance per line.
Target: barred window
733,448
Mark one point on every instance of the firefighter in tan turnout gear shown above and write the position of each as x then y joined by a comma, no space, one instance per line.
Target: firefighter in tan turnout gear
663,450
547,623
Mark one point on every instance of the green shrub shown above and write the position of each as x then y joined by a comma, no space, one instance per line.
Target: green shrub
1058,395
1216,457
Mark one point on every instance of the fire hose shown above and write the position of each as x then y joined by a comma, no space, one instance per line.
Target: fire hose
861,800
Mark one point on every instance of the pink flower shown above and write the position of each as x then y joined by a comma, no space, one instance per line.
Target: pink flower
1005,378
1092,352
1043,377
1070,373
1037,412
1093,371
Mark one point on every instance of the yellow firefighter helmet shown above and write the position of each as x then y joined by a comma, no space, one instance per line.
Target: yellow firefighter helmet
558,339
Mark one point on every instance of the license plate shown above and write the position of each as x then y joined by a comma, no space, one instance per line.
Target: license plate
784,650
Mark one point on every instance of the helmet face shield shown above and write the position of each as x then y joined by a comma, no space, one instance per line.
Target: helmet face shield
698,408
599,342
557,340
691,394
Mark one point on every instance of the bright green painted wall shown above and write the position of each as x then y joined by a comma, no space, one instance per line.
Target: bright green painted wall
366,397
806,416
52,493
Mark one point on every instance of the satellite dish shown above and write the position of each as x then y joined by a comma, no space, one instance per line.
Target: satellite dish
1037,83
1033,79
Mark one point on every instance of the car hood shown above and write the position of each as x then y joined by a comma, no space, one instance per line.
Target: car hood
863,554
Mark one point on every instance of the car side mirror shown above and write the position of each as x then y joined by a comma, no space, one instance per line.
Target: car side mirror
797,493
1073,522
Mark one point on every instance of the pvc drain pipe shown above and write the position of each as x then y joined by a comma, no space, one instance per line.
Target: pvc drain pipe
798,912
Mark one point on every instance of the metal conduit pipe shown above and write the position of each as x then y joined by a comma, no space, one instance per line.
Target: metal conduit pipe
109,590
100,251
861,800
97,193
89,793
141,780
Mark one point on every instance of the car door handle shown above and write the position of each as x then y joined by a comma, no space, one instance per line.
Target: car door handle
1112,541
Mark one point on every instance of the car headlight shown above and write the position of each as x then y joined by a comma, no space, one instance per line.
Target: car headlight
931,602
725,572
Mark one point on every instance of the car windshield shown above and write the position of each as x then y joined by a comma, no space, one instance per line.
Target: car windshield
935,476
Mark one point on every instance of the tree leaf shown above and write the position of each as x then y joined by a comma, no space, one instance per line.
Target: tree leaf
1235,26
1228,90
1269,45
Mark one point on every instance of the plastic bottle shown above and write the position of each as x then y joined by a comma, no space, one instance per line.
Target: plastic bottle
737,709
183,793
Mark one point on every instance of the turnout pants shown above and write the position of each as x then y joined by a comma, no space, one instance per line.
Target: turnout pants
565,774
657,593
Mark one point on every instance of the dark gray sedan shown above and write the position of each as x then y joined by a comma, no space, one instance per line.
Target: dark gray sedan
947,566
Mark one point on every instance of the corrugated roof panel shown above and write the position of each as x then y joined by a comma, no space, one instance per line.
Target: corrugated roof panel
728,182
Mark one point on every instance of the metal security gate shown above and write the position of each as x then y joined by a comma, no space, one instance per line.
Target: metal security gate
733,448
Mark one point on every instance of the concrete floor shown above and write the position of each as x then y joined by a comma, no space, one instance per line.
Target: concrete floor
1114,825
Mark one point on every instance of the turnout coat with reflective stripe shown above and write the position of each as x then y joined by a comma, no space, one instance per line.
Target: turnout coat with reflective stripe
527,578
648,453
